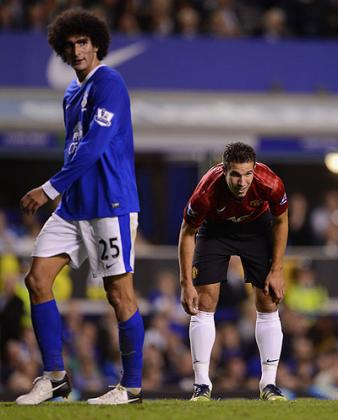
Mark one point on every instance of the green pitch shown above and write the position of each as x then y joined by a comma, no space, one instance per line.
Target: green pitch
309,409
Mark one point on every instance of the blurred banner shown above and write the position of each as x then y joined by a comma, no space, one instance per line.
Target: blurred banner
184,64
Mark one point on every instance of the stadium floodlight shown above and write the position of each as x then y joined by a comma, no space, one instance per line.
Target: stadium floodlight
331,162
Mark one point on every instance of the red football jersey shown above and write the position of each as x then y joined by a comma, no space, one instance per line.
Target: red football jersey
212,200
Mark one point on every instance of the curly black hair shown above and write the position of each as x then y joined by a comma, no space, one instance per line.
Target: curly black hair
78,22
238,153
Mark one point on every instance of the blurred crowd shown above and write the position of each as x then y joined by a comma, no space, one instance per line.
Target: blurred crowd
309,362
270,19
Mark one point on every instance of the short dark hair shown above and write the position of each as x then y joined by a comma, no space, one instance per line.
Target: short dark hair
78,22
238,153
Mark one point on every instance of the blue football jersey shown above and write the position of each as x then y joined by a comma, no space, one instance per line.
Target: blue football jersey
98,175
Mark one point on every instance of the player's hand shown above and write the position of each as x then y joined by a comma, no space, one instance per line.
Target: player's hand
189,299
274,285
33,200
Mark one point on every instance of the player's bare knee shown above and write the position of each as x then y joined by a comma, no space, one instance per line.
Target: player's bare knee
36,284
114,298
266,305
207,303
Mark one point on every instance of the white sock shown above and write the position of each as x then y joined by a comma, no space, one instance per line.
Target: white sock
202,334
134,391
56,375
269,338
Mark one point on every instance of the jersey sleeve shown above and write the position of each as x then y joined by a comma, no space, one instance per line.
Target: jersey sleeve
110,103
278,201
197,207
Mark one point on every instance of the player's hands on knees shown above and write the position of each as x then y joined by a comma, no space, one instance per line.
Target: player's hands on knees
189,299
274,285
33,200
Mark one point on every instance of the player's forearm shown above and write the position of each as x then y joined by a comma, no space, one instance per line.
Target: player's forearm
280,236
186,248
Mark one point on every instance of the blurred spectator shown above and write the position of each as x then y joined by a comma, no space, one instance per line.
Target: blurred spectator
233,292
326,381
181,370
28,232
11,15
274,24
233,376
285,378
153,368
158,17
7,236
36,17
223,18
324,217
107,10
300,230
188,21
11,312
20,369
323,334
223,22
227,344
165,299
308,17
128,24
87,378
305,294
229,14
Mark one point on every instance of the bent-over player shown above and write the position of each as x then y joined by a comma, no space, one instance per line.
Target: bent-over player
238,208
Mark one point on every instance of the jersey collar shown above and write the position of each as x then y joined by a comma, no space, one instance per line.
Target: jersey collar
89,75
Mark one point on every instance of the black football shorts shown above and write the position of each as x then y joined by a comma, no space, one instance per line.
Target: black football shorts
216,243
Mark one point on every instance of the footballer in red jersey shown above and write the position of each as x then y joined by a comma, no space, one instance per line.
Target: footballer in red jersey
238,208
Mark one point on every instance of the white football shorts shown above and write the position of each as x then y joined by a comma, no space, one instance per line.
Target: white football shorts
108,243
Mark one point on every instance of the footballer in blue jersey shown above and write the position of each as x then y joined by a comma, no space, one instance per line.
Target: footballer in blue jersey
97,215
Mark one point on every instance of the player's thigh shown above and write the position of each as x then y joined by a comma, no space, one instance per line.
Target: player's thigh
210,261
44,270
256,256
110,244
58,237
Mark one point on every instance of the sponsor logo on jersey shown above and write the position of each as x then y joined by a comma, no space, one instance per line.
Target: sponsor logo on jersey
103,117
283,200
256,203
239,219
77,137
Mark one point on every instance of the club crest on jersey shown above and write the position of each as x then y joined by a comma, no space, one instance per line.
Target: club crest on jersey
84,101
283,200
103,117
256,203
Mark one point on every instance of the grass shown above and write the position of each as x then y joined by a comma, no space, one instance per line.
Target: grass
234,409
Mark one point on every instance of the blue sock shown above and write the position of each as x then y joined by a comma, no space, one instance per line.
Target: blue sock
131,334
48,331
